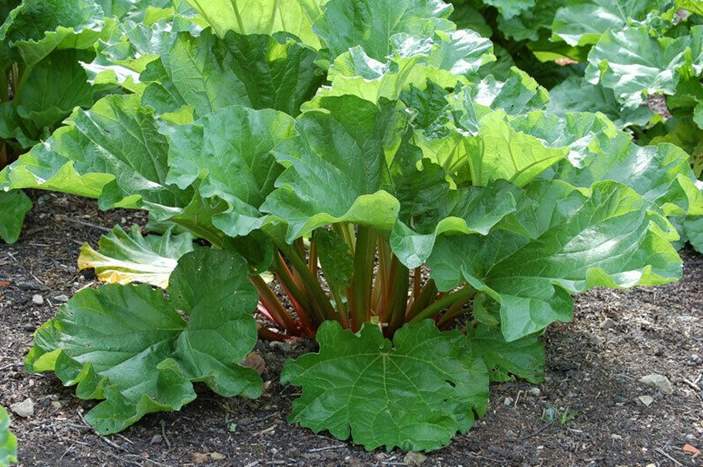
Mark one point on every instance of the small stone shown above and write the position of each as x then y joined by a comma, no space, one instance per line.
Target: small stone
216,456
414,458
534,391
56,405
608,324
616,436
24,409
695,359
510,434
200,458
646,400
61,298
156,439
690,437
658,381
37,299
508,401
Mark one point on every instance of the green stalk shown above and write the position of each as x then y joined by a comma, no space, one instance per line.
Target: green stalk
297,295
444,302
273,304
426,296
360,293
310,282
240,23
398,282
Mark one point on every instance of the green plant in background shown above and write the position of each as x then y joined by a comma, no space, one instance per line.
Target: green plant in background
401,193
8,442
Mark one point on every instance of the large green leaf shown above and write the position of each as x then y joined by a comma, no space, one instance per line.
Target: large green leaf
113,151
371,24
635,65
262,16
126,257
428,212
414,393
14,206
51,90
208,73
446,59
229,151
337,167
561,242
523,358
8,441
602,15
575,94
129,346
37,27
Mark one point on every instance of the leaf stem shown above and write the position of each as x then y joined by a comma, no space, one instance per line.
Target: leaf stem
398,282
444,302
273,305
362,280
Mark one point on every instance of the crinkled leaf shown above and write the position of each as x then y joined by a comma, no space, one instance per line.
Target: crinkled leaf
126,257
475,210
37,27
635,65
414,393
229,151
262,16
446,59
129,346
372,23
8,441
577,95
337,167
561,242
113,151
14,206
510,8
583,22
523,358
208,73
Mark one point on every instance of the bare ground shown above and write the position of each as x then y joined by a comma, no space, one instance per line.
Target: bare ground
592,387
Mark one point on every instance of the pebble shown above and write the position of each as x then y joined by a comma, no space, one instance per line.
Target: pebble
414,458
695,359
646,400
508,401
61,298
156,439
691,438
658,381
216,456
24,409
534,391
608,324
37,299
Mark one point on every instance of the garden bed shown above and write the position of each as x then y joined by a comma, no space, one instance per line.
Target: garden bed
588,411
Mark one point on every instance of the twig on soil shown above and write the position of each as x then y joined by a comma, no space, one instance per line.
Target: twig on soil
266,430
252,464
663,453
693,385
163,434
536,432
107,441
327,448
84,223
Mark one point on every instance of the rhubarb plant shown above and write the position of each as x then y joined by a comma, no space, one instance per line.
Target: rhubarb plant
399,193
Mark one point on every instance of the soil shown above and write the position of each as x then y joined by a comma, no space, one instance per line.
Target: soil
591,392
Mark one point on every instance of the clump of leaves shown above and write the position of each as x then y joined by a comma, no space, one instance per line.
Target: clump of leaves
392,192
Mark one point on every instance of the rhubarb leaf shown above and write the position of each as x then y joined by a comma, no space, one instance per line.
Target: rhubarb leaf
126,257
14,206
229,153
560,243
129,347
414,393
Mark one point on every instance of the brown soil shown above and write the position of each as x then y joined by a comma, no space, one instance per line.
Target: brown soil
593,369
